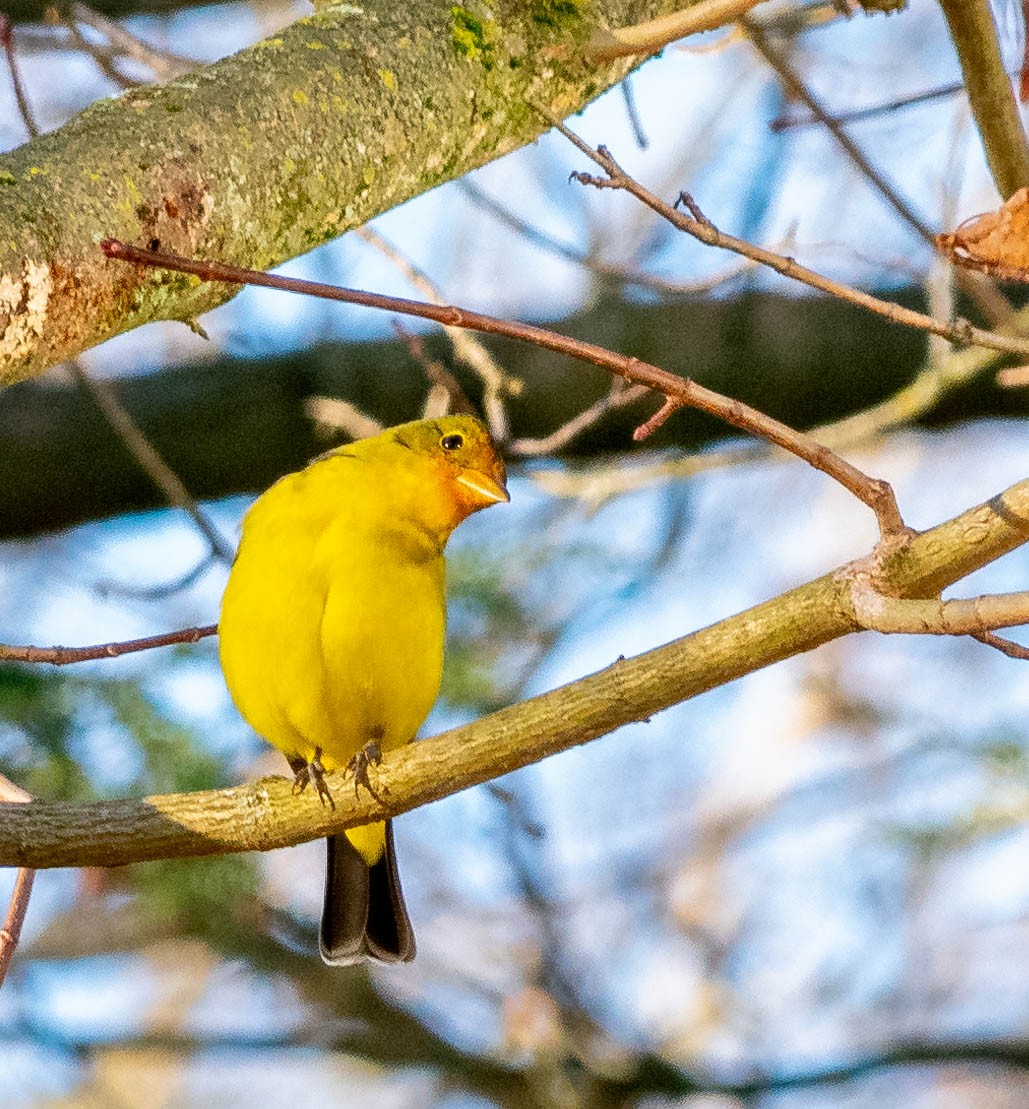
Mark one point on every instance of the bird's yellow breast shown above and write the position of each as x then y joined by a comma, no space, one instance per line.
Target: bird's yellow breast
333,620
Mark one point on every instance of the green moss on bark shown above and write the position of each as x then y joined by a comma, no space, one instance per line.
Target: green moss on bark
270,152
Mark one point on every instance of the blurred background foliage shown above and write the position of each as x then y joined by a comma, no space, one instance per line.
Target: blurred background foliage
805,889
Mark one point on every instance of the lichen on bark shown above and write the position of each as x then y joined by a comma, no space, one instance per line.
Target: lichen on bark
272,151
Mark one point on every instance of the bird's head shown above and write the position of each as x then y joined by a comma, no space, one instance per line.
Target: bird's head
463,455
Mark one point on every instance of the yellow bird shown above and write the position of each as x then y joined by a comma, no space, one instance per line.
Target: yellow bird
332,629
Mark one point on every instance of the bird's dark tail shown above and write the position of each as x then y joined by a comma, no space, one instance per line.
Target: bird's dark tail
364,915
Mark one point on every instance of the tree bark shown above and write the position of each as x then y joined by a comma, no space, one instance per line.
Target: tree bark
270,152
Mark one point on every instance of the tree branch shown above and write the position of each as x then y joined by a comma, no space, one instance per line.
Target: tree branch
973,31
265,815
678,392
270,152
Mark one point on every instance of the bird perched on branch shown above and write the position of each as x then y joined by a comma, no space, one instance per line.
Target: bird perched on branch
332,628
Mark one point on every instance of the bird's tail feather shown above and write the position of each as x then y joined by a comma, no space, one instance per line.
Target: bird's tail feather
364,914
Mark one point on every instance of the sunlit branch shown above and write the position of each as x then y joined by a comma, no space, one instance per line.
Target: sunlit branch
337,414
933,616
266,814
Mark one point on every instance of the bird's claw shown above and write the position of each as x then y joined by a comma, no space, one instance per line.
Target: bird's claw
369,755
313,772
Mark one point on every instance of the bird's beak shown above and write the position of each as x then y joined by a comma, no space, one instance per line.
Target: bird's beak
486,489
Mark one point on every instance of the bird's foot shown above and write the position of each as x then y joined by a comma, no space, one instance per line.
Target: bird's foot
369,755
313,772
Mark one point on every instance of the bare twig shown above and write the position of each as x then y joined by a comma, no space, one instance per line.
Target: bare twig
62,656
445,392
962,332
631,110
619,396
796,89
152,464
655,34
24,107
987,298
1005,646
856,115
625,275
164,64
102,59
158,591
18,906
942,374
496,382
676,390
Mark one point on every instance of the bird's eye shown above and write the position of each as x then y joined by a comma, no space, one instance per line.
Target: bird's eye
452,442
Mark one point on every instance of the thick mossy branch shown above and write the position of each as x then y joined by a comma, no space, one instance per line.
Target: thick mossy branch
266,815
268,153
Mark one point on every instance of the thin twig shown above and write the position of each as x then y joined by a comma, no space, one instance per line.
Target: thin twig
445,392
102,59
987,298
160,590
796,89
496,382
152,464
632,111
24,107
1005,646
62,656
18,906
942,375
625,275
619,396
655,34
856,115
961,332
164,64
675,390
